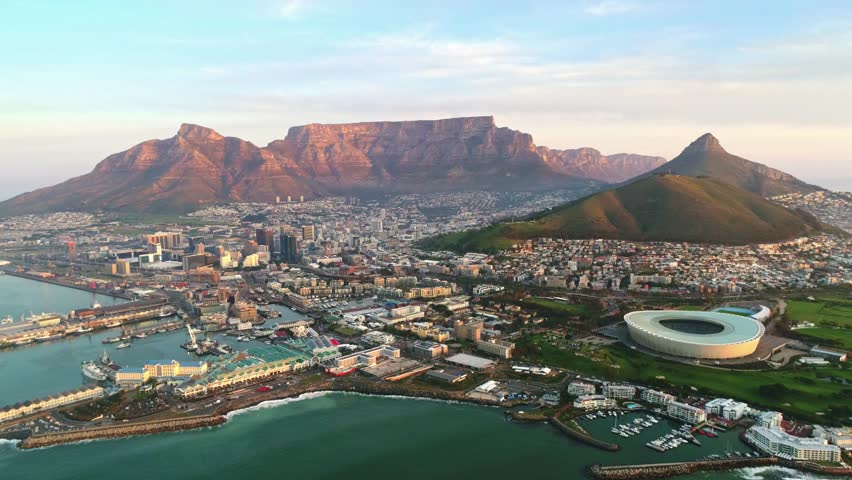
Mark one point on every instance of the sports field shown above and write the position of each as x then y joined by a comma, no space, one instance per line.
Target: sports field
831,315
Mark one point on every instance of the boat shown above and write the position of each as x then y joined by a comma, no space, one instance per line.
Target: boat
114,323
84,329
166,312
140,335
123,345
23,341
7,320
44,319
49,337
92,370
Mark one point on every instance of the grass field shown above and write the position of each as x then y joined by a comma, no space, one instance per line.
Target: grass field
559,308
825,311
830,337
802,392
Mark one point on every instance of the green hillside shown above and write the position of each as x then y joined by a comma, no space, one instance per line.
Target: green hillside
655,208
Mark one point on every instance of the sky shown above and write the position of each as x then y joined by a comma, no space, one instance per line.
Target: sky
771,79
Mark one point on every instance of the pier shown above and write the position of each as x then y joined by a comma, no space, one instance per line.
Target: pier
664,470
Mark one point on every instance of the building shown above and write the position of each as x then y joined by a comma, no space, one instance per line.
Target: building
376,338
243,368
593,402
289,248
122,267
770,419
407,313
708,335
580,389
244,311
448,374
496,347
842,437
470,361
167,240
427,350
309,233
621,392
686,413
468,331
71,250
726,408
265,236
829,354
50,402
161,370
775,441
366,358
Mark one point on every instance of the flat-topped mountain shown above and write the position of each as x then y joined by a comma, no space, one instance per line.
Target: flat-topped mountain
654,208
198,166
705,157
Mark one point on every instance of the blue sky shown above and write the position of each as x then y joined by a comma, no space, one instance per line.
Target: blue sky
772,80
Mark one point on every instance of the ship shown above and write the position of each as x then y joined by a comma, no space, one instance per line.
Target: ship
111,340
140,335
7,320
123,345
166,311
49,337
113,323
44,319
93,370
84,329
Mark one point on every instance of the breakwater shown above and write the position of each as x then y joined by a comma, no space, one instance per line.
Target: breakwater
581,437
125,430
664,470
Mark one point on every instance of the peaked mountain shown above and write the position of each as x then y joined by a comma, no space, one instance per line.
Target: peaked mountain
198,166
590,163
654,208
705,157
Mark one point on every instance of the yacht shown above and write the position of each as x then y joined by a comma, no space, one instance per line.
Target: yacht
123,345
7,320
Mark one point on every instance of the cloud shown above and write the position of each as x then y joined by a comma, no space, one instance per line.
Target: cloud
609,7
292,8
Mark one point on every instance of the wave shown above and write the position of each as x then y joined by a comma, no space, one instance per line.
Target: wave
777,473
275,403
11,443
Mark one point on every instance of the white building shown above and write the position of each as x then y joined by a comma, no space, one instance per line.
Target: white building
775,441
726,408
770,419
624,392
591,402
377,338
656,397
580,389
686,413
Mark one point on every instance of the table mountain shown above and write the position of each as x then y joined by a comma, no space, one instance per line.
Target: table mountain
655,208
198,166
705,157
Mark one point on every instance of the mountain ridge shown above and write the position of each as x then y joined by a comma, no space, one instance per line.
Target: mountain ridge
199,166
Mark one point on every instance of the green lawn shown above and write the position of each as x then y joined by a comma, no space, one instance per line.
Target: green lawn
832,311
561,308
831,337
800,391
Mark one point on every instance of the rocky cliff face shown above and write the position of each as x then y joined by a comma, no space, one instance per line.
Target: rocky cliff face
198,166
590,163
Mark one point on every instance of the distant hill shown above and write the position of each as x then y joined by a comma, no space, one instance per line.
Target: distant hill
654,208
705,157
199,167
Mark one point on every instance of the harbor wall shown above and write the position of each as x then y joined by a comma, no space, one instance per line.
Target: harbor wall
664,470
587,439
101,291
125,430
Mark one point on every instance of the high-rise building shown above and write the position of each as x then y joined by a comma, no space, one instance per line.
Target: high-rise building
70,250
122,267
168,240
264,236
309,233
288,249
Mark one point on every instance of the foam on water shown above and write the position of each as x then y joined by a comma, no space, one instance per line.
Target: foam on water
275,403
780,473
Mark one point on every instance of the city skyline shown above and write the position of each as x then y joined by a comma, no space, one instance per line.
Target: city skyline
619,76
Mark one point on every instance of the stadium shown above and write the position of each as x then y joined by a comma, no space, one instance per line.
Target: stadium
710,335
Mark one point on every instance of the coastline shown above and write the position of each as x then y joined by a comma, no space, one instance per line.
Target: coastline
273,399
